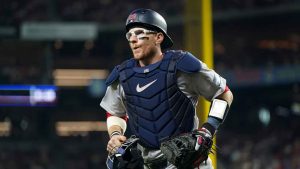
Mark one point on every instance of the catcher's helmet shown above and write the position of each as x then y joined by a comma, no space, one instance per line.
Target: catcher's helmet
149,19
126,157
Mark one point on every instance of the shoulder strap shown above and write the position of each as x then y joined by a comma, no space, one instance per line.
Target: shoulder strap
189,63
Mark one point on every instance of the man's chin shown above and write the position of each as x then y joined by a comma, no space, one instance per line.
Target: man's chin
137,56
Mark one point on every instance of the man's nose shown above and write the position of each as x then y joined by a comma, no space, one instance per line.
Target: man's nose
133,39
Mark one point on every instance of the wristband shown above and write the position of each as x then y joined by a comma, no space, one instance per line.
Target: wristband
209,127
114,133
114,120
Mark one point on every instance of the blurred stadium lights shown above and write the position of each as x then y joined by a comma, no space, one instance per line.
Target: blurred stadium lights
282,111
275,10
58,44
59,30
97,88
5,128
38,95
264,116
89,44
27,95
295,107
8,31
77,77
78,128
278,44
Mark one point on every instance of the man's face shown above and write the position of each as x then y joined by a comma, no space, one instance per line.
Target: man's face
142,42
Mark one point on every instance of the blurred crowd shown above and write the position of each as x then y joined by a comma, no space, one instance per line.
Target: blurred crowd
232,53
262,149
227,5
47,155
276,149
108,11
251,43
102,11
244,52
242,46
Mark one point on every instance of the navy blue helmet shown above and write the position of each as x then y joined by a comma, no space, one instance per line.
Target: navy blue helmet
149,19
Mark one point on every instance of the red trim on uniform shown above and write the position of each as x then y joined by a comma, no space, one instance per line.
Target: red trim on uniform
226,89
108,115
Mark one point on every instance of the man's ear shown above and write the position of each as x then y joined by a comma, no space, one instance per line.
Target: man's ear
159,38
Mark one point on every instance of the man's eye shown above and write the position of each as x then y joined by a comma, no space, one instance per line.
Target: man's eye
139,32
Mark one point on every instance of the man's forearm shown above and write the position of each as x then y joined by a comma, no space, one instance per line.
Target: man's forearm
116,125
227,96
115,130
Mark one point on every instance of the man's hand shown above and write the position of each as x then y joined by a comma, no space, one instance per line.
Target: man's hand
114,143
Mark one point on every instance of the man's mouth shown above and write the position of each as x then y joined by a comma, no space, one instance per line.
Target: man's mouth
135,47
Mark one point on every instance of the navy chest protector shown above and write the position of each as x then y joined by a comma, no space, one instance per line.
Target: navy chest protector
156,107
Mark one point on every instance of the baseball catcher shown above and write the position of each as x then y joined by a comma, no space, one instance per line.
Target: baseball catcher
155,94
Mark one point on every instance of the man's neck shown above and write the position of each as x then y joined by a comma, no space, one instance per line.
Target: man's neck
156,58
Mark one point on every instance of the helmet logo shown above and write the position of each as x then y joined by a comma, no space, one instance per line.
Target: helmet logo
132,17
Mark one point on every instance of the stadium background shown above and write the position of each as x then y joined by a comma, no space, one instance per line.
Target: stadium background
55,55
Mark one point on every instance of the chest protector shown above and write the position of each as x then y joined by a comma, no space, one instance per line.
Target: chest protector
156,107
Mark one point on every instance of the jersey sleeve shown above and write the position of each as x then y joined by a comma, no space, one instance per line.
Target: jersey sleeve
206,82
112,101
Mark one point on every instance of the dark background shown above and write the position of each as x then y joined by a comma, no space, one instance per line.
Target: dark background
256,48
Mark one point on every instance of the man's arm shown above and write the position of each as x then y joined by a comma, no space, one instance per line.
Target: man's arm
115,124
116,127
227,96
218,110
116,116
115,130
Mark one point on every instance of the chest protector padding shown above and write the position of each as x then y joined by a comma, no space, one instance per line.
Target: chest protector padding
156,107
